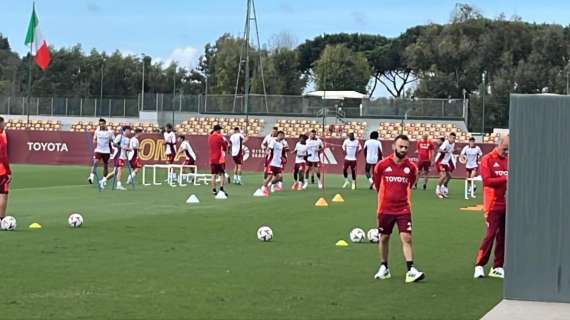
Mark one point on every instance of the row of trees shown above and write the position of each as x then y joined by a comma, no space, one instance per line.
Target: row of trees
432,60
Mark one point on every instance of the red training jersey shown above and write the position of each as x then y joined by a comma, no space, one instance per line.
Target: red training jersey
424,149
494,171
4,161
393,182
217,145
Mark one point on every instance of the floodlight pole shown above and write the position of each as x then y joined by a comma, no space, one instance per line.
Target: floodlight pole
483,102
142,84
250,16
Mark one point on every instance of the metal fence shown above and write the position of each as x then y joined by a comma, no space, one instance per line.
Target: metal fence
271,105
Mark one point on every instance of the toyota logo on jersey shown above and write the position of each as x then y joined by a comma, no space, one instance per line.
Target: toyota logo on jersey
397,179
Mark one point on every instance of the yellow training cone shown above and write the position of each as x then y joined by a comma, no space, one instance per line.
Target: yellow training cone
341,243
321,202
35,225
337,198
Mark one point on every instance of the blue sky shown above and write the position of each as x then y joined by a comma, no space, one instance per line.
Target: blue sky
178,30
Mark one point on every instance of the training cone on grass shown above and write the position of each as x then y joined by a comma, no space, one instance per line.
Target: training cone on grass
192,199
35,225
321,202
259,193
221,196
341,243
338,198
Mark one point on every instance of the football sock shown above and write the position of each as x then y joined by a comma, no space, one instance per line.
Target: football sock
409,264
385,264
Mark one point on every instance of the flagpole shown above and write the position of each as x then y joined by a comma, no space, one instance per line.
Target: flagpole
29,88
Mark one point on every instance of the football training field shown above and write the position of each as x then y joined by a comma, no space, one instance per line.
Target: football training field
146,254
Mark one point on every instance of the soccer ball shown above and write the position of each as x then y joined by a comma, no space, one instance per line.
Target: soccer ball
8,223
357,235
264,233
75,220
373,235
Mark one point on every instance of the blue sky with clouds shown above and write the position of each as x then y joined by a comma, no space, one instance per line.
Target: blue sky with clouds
178,30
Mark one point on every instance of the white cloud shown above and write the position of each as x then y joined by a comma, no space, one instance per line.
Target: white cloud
184,57
187,57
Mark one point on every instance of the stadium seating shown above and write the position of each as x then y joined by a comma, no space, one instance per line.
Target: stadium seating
89,126
204,125
34,125
415,130
491,138
293,128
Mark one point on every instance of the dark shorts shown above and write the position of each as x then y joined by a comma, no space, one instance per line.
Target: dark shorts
448,168
170,158
135,163
119,163
386,223
4,184
350,164
300,166
312,164
217,168
276,170
238,159
424,165
369,166
471,170
102,157
189,162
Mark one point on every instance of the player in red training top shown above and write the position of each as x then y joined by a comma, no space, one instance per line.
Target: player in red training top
495,172
393,178
424,149
217,150
5,171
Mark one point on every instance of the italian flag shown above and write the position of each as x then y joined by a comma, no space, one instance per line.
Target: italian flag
37,43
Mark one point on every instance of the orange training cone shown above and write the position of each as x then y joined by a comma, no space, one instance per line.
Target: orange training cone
338,198
321,203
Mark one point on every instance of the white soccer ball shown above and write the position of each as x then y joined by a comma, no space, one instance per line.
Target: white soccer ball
373,235
75,220
8,223
264,233
357,235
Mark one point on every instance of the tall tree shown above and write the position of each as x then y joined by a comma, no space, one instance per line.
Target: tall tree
340,68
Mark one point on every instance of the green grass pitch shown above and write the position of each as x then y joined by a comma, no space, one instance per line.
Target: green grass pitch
148,255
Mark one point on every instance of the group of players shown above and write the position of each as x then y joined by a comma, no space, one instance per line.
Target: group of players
123,150
392,176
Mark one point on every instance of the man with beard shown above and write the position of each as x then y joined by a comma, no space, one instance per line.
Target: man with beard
393,178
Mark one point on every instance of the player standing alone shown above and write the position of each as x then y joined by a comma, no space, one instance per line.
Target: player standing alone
314,147
217,145
351,147
424,148
277,159
495,173
372,154
470,156
237,140
393,178
5,171
446,165
102,139
300,163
